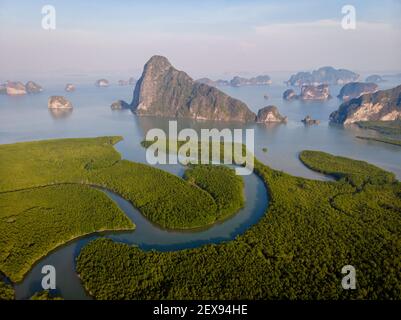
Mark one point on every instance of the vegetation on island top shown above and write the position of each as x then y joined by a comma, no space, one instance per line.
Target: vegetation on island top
382,139
6,291
310,231
45,295
193,150
222,184
46,200
385,127
356,172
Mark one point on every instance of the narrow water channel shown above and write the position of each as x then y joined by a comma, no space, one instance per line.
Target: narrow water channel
147,236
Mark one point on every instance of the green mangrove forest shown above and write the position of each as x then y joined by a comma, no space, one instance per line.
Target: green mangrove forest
384,127
6,291
394,142
47,198
296,251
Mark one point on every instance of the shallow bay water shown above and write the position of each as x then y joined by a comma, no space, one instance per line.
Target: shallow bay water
28,118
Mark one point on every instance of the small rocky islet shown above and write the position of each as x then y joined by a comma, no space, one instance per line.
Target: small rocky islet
309,121
59,102
102,83
69,87
290,95
120,105
33,87
130,82
309,92
312,92
123,83
270,114
17,88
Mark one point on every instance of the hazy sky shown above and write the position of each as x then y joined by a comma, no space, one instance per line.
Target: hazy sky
205,38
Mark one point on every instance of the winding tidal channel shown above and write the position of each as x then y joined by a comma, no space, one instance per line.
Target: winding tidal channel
146,236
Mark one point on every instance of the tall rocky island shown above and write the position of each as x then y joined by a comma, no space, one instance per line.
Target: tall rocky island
165,91
384,105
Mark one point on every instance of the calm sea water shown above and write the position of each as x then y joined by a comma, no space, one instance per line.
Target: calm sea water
28,118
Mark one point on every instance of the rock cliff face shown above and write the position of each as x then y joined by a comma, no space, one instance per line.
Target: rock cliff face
15,88
382,105
165,91
59,102
324,75
289,95
310,92
270,114
33,87
356,89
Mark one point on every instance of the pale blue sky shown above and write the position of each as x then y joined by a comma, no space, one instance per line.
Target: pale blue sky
212,37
